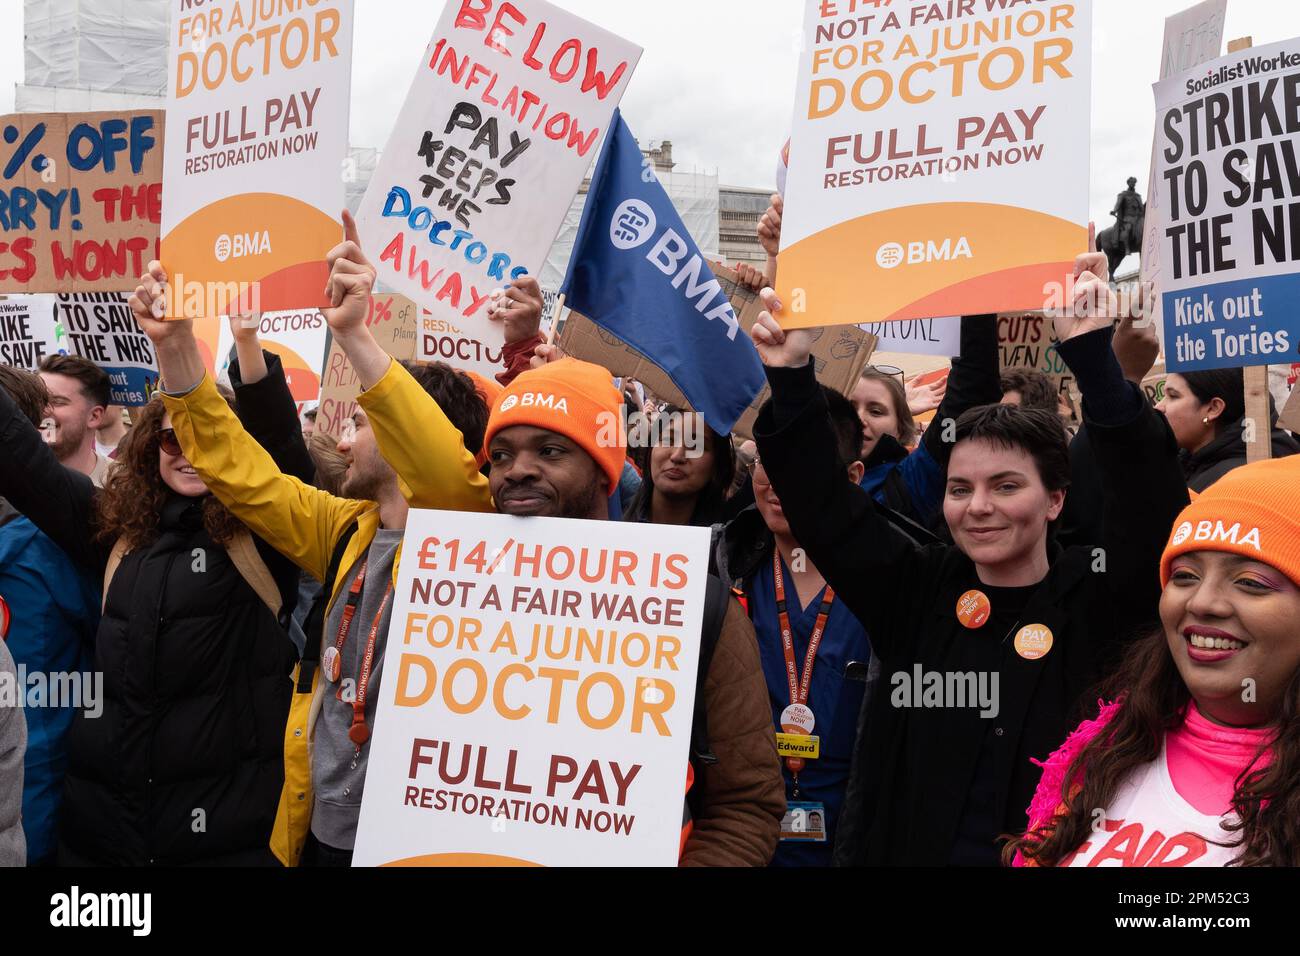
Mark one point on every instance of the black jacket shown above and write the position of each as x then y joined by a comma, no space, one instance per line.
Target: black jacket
1226,453
184,765
914,766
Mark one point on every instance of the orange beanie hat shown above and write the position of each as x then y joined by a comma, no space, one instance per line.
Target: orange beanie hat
575,399
1253,511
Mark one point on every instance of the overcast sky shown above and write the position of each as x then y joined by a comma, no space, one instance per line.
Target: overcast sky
718,78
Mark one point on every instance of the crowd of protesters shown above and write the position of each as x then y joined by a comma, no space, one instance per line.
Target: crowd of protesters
1113,602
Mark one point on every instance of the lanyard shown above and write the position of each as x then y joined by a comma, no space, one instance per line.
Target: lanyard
358,733
799,686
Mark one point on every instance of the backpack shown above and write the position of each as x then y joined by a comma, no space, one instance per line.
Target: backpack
241,550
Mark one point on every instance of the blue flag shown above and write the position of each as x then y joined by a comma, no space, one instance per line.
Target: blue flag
637,273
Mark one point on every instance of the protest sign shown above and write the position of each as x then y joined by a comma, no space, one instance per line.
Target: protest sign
1028,341
80,200
1230,187
99,326
1192,37
1153,386
299,337
392,320
538,695
257,134
1290,418
839,354
937,337
501,124
27,332
462,343
939,159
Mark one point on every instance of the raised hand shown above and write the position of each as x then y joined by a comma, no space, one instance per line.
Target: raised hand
149,305
1093,304
922,399
769,227
777,347
519,308
351,283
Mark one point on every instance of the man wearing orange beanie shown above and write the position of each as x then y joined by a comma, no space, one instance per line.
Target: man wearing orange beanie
556,449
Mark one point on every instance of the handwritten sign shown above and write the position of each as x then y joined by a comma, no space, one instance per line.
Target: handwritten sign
392,321
80,200
939,159
257,134
503,120
538,694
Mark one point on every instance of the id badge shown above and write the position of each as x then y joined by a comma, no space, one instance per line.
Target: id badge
804,823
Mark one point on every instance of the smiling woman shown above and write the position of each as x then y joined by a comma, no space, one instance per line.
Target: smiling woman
1201,743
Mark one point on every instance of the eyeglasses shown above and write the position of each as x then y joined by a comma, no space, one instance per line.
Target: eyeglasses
168,442
889,371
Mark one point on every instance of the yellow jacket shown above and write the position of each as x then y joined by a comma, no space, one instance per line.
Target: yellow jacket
305,524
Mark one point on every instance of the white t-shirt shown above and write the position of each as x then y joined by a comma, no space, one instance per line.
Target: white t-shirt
1149,824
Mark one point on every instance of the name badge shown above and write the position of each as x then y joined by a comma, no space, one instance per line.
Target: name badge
797,745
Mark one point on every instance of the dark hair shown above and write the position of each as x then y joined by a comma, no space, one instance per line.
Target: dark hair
1036,389
28,392
709,505
907,427
846,422
1153,700
131,503
458,397
93,379
1041,434
311,414
1225,384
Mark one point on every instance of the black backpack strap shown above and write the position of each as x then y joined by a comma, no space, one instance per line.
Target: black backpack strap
314,626
716,600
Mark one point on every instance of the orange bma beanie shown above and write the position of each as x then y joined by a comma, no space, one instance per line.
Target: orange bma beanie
1253,511
575,399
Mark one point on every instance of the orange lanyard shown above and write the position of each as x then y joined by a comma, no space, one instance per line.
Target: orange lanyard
358,733
799,686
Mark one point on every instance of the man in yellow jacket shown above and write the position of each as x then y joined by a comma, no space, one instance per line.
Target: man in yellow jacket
353,543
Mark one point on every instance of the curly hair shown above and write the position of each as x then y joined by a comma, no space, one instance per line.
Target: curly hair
1153,700
131,503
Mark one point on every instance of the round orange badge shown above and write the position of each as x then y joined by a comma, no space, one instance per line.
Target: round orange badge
973,610
1034,642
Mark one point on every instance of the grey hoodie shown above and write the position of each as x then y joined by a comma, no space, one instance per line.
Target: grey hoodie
13,745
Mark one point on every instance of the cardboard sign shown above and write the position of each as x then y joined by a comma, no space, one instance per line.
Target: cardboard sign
1153,386
502,122
80,200
1290,418
1192,37
101,327
1028,341
1226,142
937,337
939,159
840,355
537,696
257,134
392,321
299,337
27,333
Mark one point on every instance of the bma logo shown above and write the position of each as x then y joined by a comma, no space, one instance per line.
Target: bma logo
536,400
634,223
1217,531
242,245
894,254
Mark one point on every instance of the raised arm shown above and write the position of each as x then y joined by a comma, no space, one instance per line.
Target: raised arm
268,411
301,522
855,548
1135,454
58,500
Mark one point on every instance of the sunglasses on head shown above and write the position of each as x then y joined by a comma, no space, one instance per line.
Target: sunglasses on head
168,442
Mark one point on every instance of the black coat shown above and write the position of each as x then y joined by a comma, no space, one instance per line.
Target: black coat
914,766
1226,453
185,763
